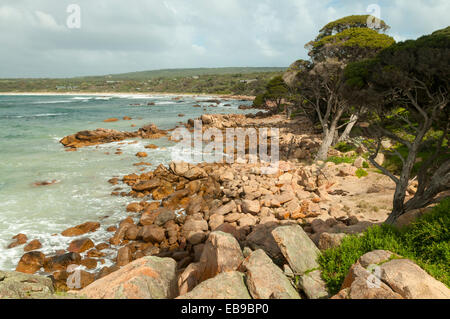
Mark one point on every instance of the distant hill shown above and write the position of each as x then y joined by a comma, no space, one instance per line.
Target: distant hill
234,81
173,73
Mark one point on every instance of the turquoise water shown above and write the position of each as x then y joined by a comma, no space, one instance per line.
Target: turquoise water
30,130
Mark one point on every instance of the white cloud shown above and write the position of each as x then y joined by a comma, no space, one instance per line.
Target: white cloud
46,20
119,36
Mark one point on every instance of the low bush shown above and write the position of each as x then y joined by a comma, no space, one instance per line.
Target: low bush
339,160
426,241
361,173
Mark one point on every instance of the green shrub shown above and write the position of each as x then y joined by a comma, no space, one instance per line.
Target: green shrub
259,100
336,262
339,160
345,147
365,164
426,241
361,173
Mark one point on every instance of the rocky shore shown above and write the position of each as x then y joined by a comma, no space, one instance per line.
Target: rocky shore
218,230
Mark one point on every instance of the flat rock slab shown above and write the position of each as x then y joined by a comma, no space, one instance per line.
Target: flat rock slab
313,285
266,280
16,285
227,285
145,278
412,282
383,274
221,253
296,246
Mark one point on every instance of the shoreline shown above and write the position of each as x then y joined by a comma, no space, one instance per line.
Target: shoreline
121,94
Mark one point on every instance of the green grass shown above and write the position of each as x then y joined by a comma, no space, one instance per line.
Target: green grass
426,241
361,173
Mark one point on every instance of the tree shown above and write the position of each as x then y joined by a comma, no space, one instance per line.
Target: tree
353,21
407,88
276,91
320,83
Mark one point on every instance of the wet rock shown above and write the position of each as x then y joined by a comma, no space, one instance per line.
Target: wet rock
195,172
89,263
80,245
132,232
147,185
141,154
145,278
124,256
162,191
164,215
61,262
153,234
19,239
33,245
264,278
98,136
31,262
134,207
82,229
111,120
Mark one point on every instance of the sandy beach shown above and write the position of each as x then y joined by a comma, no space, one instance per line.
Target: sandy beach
122,94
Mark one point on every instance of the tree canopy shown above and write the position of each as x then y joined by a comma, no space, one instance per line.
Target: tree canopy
407,88
353,21
350,45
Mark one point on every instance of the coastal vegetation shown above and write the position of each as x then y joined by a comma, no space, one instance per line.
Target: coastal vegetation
233,81
426,241
393,96
361,181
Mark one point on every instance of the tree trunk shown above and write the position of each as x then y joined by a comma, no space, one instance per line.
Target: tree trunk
346,134
400,189
322,155
393,216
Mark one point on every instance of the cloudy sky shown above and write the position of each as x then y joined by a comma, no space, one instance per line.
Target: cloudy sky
118,36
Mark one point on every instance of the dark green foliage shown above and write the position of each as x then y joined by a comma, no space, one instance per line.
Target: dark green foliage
345,147
426,241
406,90
276,91
259,100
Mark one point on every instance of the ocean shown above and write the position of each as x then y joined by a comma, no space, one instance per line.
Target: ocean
30,129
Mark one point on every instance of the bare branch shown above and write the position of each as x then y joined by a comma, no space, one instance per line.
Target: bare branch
381,168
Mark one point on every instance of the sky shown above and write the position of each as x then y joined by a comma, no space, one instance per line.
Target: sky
45,38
